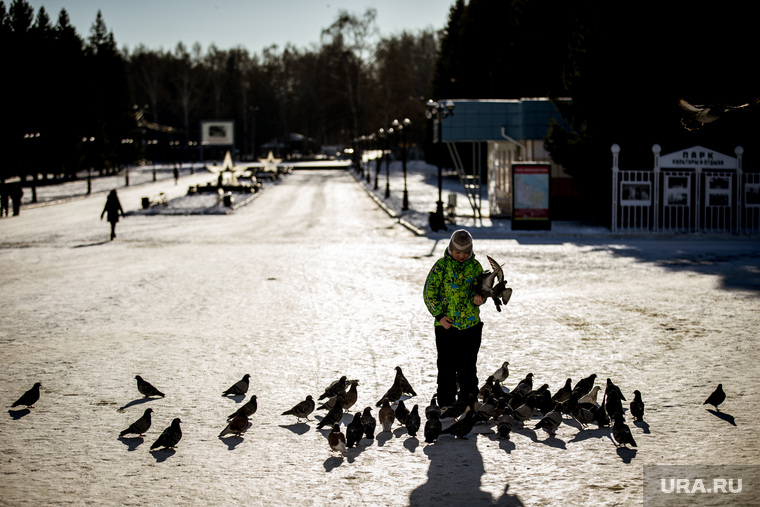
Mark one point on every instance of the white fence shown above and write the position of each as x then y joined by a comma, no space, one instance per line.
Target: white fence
692,191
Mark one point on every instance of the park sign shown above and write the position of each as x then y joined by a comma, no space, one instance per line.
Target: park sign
217,133
530,205
700,158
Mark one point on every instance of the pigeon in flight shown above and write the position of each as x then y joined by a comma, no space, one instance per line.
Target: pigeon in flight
354,430
621,433
140,426
637,406
386,415
170,436
697,116
239,388
246,410
236,426
433,427
716,398
368,423
146,388
337,439
302,409
30,397
484,285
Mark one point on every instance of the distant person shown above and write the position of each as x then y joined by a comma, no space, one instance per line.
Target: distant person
114,209
16,193
4,199
176,174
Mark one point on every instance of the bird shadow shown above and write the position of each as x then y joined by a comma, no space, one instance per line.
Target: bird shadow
297,428
626,454
231,442
643,425
505,444
332,462
399,431
138,401
722,415
383,437
590,433
132,443
18,414
237,398
553,441
411,444
162,455
527,432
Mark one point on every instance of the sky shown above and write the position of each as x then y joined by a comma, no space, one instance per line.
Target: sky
253,24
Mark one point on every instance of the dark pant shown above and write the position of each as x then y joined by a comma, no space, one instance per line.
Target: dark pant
457,362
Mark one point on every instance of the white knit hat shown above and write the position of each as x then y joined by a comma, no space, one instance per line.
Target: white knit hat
461,241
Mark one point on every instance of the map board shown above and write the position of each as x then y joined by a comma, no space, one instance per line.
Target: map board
530,205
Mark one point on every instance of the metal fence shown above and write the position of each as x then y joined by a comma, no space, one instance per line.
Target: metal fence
700,199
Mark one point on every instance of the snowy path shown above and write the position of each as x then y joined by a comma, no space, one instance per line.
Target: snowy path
311,281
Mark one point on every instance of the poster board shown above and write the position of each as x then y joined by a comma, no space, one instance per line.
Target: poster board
218,133
531,184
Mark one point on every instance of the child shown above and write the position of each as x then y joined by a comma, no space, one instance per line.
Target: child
450,297
113,210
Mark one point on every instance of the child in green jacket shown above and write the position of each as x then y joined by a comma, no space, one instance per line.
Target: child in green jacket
450,297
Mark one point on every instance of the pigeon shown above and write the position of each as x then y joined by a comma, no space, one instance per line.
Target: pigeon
582,412
406,387
334,389
696,116
368,423
239,388
246,410
524,411
394,393
613,387
169,437
433,407
584,385
462,427
386,415
637,406
486,389
401,412
302,409
525,385
500,408
331,402
140,426
591,396
502,373
354,430
551,421
601,415
486,410
612,404
485,287
541,399
236,426
433,427
563,393
334,415
351,395
621,433
716,398
413,422
30,397
454,410
146,388
504,424
337,439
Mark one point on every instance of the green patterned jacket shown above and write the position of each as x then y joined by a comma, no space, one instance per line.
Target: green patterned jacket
449,290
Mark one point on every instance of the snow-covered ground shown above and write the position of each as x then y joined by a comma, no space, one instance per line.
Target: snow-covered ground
311,281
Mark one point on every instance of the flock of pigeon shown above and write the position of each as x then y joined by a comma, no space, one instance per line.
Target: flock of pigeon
508,408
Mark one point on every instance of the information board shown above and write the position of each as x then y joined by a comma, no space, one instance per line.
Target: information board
531,184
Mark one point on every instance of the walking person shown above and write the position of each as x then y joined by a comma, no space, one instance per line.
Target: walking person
450,297
4,199
16,193
113,209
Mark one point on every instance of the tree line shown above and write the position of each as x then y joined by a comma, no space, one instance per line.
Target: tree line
82,102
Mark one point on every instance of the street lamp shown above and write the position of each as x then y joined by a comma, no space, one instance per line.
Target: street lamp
388,162
403,126
437,111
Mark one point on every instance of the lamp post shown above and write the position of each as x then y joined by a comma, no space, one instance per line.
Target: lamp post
371,143
378,160
403,126
388,162
437,111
